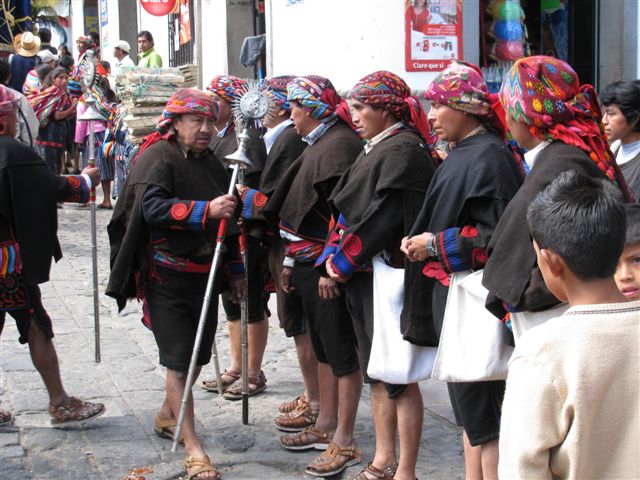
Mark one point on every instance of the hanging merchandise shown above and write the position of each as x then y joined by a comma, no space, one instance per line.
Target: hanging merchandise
508,30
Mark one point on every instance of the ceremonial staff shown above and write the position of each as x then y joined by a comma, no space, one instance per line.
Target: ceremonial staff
90,115
253,105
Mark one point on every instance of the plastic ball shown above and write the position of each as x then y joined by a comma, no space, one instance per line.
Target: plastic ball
507,31
506,10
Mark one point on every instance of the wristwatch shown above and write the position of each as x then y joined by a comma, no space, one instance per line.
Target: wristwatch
432,252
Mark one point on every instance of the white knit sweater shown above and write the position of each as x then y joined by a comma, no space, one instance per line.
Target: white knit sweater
572,405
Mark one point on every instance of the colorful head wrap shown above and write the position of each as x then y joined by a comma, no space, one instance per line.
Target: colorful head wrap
7,101
318,95
545,94
461,86
228,87
383,89
276,90
184,101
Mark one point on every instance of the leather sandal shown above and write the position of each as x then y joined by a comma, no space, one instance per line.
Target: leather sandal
307,439
286,407
302,417
256,385
201,465
212,385
75,412
334,460
166,428
374,473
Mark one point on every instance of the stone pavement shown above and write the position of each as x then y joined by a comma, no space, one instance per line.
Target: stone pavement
130,382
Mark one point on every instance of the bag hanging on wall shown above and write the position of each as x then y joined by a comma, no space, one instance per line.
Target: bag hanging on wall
393,359
472,344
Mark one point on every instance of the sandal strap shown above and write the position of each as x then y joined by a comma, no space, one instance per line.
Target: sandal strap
201,465
167,423
374,472
74,409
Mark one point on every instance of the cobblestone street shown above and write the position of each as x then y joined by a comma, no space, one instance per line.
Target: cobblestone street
130,382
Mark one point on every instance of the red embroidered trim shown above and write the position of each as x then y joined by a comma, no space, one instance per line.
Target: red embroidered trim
352,245
74,182
260,199
469,232
180,211
478,258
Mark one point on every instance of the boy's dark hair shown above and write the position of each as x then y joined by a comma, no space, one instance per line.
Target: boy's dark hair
45,35
626,95
146,34
633,224
583,221
5,71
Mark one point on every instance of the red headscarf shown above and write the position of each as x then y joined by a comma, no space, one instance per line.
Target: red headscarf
545,94
386,90
462,87
185,100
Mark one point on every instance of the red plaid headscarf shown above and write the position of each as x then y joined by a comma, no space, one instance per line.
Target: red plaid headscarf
185,100
386,90
545,94
462,87
228,87
318,95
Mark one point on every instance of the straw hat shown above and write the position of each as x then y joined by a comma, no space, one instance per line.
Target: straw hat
27,44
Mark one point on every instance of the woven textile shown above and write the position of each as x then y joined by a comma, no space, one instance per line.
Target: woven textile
228,87
462,87
545,94
383,89
276,90
317,95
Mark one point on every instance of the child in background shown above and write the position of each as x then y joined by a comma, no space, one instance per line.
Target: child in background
628,272
572,404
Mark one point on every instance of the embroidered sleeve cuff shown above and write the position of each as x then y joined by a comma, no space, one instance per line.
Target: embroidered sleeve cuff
253,203
342,265
326,252
449,251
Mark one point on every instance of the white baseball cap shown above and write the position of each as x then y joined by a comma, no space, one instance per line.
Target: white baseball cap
122,45
46,56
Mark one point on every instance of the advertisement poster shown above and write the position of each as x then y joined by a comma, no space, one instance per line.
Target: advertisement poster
104,18
185,22
433,34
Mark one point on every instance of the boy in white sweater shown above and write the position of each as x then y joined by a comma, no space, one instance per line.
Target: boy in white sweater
572,403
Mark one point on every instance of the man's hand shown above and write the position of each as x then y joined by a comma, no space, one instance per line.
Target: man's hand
238,290
332,273
285,280
404,245
223,206
94,175
416,246
328,289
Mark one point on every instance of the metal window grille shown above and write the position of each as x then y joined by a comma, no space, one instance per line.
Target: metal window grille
181,54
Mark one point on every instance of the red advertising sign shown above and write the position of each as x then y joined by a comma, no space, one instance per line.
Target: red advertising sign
433,34
185,22
160,8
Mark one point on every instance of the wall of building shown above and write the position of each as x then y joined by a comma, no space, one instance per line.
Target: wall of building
214,39
344,40
619,49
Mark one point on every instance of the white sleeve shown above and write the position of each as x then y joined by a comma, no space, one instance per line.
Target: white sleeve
531,423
